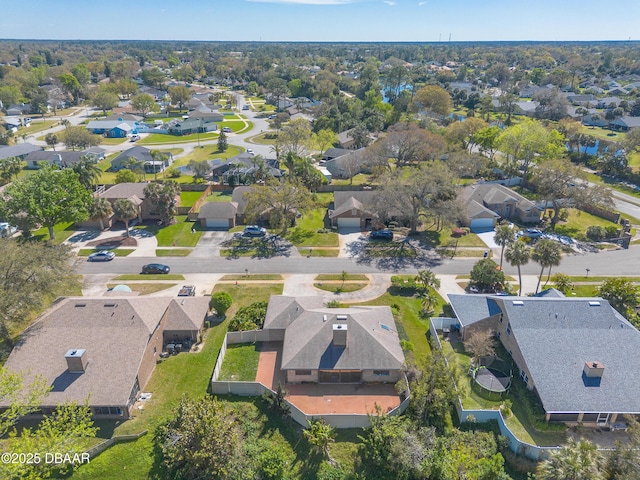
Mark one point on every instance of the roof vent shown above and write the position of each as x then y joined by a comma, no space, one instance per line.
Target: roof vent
110,304
594,303
77,360
340,335
518,303
593,369
324,317
341,317
80,305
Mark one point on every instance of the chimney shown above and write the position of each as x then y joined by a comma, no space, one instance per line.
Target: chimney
77,360
593,369
340,335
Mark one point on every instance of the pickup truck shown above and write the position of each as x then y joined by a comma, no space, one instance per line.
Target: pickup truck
187,291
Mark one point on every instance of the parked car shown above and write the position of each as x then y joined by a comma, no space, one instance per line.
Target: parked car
381,235
255,231
245,107
226,129
250,151
102,256
531,233
135,138
155,268
6,230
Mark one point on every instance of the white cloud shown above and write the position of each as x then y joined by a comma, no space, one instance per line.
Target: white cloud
391,4
307,2
421,3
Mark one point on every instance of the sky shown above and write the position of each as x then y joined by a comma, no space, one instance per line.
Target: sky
321,20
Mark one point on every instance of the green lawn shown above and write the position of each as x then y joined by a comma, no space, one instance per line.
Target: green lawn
235,125
318,252
188,199
389,249
240,363
443,238
578,222
261,139
186,373
339,287
208,152
177,235
113,141
120,252
145,288
305,233
160,138
219,197
172,252
61,232
36,125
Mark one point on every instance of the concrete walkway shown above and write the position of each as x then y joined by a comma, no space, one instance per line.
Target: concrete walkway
301,285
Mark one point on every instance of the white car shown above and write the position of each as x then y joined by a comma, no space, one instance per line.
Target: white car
250,151
7,230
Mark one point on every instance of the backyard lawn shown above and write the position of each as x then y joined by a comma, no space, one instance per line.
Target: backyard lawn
240,363
188,199
183,374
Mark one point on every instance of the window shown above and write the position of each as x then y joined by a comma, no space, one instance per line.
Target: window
381,373
524,377
508,329
303,372
500,318
498,334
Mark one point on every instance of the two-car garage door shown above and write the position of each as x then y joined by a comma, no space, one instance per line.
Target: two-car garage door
349,222
217,223
482,224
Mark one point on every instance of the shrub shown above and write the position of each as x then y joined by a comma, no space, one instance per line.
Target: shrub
595,233
220,302
250,317
333,304
611,231
174,172
403,285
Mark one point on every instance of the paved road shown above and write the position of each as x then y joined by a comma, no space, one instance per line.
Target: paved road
619,262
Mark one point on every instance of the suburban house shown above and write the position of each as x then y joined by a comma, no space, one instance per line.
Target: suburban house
142,154
103,350
331,153
133,192
352,209
243,164
625,123
63,158
206,114
485,200
218,214
578,355
193,125
334,345
347,165
20,150
345,140
113,128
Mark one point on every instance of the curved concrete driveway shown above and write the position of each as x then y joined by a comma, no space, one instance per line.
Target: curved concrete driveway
302,285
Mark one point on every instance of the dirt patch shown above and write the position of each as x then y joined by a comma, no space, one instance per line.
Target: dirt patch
114,242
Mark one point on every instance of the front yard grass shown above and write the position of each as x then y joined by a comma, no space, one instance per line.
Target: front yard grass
160,138
389,249
145,288
240,363
183,374
252,277
318,252
339,287
178,234
120,252
578,222
61,232
443,238
172,252
336,276
305,233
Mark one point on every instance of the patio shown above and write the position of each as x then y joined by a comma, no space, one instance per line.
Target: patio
324,398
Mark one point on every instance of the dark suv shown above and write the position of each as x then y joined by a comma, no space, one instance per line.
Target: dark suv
155,268
381,235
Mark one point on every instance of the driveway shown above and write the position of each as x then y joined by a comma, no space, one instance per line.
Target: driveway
487,238
351,242
210,242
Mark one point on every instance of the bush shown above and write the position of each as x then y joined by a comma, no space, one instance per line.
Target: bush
403,285
611,231
174,172
220,302
333,304
595,233
250,317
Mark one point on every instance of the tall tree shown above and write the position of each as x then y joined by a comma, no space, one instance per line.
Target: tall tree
71,86
547,254
434,99
163,199
486,276
409,144
281,200
47,197
576,460
145,104
179,95
222,142
295,138
324,139
125,210
10,167
320,435
52,140
504,235
621,294
105,100
518,254
88,171
202,439
79,138
100,209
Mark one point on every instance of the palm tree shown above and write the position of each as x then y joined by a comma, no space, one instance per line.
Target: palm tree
126,211
320,434
10,167
87,170
428,301
547,254
135,165
504,236
518,254
52,140
157,156
577,460
428,279
100,209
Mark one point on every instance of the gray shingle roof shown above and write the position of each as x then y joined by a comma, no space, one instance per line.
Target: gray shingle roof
238,197
365,197
125,190
186,313
18,150
470,309
218,210
372,341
